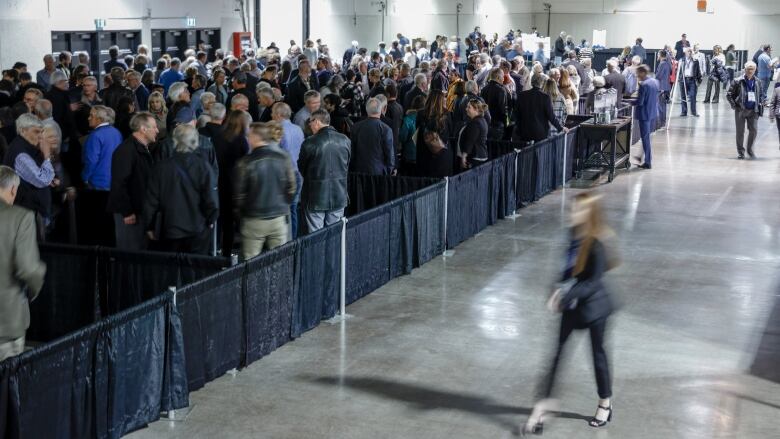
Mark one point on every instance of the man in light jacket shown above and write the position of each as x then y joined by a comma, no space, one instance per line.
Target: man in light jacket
21,269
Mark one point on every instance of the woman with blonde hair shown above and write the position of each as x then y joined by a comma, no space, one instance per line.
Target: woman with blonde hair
160,113
568,91
558,101
584,302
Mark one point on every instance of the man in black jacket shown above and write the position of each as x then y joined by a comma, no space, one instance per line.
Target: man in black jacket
534,114
497,99
117,90
131,166
560,49
181,203
394,114
263,191
372,143
613,79
298,87
241,86
113,54
690,70
420,89
324,165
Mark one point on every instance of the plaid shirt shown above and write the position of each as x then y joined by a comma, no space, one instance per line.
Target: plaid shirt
559,109
354,93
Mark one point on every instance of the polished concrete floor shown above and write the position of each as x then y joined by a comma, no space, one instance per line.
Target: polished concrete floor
455,349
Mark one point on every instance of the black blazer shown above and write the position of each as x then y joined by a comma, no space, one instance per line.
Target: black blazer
618,82
473,139
533,116
593,300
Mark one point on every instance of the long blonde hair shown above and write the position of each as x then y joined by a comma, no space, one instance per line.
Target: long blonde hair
594,228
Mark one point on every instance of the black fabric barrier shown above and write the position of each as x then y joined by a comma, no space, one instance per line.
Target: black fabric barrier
69,298
103,381
429,223
505,195
468,204
368,252
212,326
269,289
369,191
318,265
84,284
546,163
526,176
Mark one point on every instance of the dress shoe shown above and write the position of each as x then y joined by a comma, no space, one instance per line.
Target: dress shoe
741,157
683,115
645,166
751,155
696,115
705,102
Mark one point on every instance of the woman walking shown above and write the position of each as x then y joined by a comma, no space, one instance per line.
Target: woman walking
584,303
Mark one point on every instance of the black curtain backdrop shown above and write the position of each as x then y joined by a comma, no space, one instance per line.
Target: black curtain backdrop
318,268
401,231
504,168
526,176
468,204
368,252
545,167
212,325
369,191
69,298
102,381
429,223
268,292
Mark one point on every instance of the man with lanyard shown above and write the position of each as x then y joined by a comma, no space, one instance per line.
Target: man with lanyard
746,97
691,80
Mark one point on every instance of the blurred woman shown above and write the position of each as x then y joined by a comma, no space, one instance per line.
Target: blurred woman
731,65
568,91
160,113
434,157
584,303
717,75
472,139
558,101
574,77
218,87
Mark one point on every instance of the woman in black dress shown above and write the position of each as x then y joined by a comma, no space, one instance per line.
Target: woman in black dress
434,130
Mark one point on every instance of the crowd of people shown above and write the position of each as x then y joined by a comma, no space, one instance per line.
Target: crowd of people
172,148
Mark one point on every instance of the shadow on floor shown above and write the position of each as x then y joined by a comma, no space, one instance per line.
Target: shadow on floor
426,398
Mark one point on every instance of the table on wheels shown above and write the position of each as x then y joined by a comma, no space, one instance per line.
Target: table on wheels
605,146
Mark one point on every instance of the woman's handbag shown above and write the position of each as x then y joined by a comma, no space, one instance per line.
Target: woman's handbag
433,142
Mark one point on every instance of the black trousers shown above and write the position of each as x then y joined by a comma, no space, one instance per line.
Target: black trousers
600,364
777,122
198,244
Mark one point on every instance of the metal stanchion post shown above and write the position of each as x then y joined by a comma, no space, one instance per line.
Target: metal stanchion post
343,280
565,147
447,253
514,214
214,240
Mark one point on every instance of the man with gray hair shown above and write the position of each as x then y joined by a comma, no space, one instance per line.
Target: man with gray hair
213,128
747,98
43,110
265,98
292,138
182,191
420,89
117,90
534,114
21,269
43,76
31,159
131,166
312,102
324,164
99,148
372,143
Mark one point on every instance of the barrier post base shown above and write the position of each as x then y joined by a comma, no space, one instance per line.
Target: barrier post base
232,372
448,253
178,415
513,216
339,318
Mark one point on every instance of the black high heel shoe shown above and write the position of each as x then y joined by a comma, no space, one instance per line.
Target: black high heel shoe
596,423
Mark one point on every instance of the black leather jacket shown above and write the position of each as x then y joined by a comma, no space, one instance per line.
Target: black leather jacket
264,183
324,164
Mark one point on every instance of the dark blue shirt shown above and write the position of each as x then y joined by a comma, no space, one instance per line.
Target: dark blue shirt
750,85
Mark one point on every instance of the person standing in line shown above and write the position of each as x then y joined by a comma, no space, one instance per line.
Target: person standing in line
774,108
21,269
691,71
731,65
324,165
679,47
747,97
264,190
717,75
663,74
559,49
765,68
585,303
291,141
646,110
131,165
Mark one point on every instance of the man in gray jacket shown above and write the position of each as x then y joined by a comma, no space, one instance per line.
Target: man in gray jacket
21,269
746,97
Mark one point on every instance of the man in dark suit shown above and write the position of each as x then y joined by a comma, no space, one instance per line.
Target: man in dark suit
615,80
646,110
113,54
298,87
241,87
534,114
679,47
420,89
372,143
691,78
140,92
560,49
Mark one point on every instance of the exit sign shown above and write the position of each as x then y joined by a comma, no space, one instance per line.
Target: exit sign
701,5
190,21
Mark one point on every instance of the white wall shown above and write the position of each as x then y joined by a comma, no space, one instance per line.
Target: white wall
746,23
26,25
